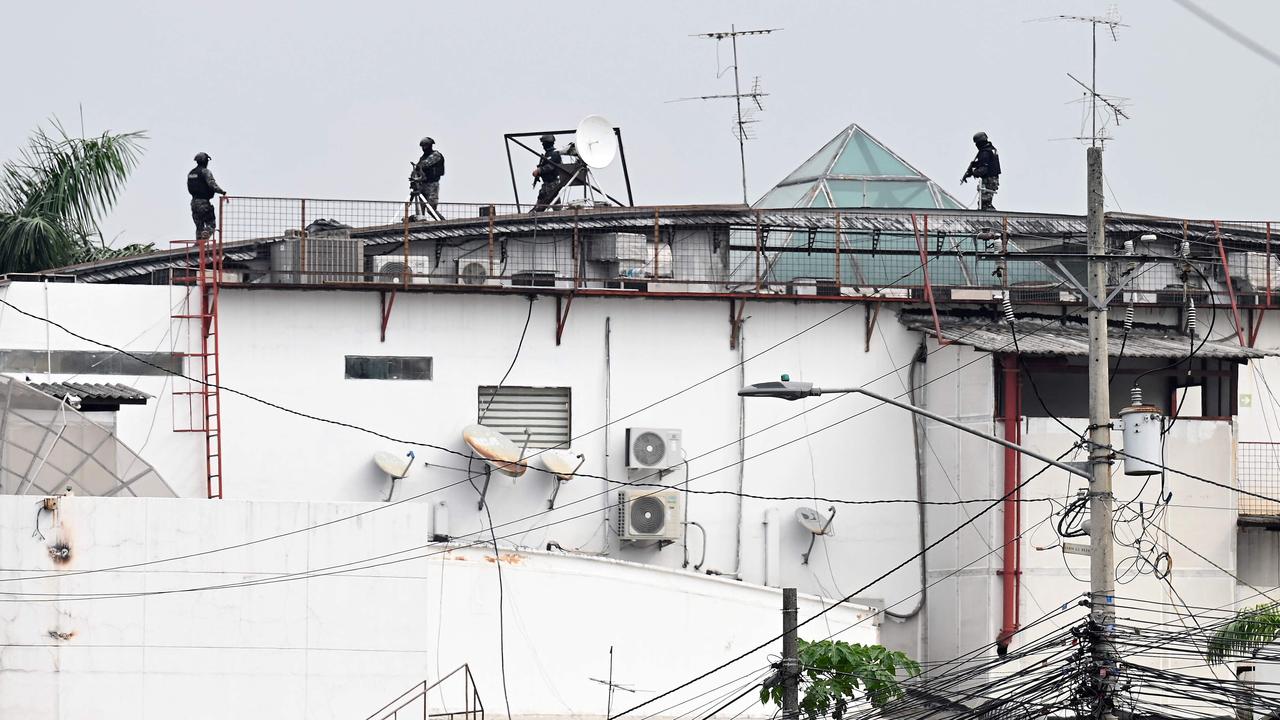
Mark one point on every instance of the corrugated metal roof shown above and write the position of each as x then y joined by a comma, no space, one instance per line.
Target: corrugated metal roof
865,220
1054,336
95,393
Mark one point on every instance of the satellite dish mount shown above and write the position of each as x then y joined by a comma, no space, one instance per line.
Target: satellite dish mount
596,144
817,523
498,453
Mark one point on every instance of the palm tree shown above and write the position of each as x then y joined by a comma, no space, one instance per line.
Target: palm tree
54,193
1248,632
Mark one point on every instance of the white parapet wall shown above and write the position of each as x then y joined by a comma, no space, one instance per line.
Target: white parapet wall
334,620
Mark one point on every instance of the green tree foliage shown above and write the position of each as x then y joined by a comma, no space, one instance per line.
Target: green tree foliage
55,192
834,673
1250,631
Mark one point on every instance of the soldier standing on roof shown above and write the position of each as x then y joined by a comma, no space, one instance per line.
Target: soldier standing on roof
985,167
550,171
424,181
202,186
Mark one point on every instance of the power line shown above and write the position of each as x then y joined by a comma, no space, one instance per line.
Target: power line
1222,27
849,597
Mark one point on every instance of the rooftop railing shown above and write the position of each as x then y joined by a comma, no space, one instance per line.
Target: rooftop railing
901,254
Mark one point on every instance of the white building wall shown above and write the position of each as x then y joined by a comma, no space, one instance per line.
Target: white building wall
287,347
964,589
340,645
137,318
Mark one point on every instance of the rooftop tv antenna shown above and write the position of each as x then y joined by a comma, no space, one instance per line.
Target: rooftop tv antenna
744,119
611,685
1111,21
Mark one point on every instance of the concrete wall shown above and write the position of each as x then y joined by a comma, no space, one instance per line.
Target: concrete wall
341,644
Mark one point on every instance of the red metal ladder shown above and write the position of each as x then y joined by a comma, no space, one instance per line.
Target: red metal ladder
202,395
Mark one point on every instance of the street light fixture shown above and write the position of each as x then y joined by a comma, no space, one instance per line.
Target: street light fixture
788,389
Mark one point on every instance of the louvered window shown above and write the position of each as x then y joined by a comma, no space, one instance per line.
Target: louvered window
543,410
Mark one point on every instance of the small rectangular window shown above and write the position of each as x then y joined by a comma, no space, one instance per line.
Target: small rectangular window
90,362
387,367
543,411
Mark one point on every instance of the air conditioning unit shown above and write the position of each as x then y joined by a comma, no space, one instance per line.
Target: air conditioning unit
1252,270
650,515
474,272
615,247
653,448
392,268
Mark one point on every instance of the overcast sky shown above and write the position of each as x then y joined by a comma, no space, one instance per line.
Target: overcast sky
328,98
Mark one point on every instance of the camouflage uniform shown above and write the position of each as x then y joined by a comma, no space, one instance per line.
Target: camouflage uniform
424,182
202,186
552,177
985,167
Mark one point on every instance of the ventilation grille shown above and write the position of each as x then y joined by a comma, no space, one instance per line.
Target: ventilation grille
543,410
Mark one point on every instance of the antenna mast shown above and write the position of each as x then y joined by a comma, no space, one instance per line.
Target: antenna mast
1112,21
740,124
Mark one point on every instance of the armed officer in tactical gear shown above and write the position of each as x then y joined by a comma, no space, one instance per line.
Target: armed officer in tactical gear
424,181
550,171
202,186
985,167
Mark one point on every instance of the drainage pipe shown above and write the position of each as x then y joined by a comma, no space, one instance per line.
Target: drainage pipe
1011,571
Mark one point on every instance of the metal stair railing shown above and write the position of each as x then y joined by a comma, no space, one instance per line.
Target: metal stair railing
473,708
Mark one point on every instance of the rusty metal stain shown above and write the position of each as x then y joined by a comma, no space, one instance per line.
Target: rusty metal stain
58,635
60,552
509,558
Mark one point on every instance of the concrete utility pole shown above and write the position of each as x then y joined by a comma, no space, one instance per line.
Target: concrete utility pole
1102,577
790,657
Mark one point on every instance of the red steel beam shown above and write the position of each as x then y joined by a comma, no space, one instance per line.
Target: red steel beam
1231,292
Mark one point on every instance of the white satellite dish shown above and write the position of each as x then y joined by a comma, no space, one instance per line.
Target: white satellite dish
563,464
595,142
495,449
395,466
817,523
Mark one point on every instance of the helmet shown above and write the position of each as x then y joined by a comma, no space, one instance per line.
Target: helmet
547,139
426,141
203,157
979,137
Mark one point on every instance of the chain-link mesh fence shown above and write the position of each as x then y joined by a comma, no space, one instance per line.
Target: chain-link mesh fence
1258,471
890,254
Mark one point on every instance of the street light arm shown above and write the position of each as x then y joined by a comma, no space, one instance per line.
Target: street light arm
965,428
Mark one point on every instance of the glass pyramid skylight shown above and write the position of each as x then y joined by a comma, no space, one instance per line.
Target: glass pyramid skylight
855,170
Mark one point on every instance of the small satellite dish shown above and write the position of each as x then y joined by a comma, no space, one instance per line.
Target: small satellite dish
818,523
815,521
595,142
562,463
496,449
397,466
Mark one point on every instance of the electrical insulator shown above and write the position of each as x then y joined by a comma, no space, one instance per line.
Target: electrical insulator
1006,306
1129,247
1191,317
1128,318
1135,395
1185,248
